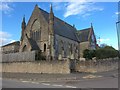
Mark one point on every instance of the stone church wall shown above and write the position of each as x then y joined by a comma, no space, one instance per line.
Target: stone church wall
83,46
68,45
56,66
20,56
61,66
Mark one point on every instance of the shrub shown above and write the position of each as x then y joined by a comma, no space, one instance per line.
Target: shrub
101,53
88,54
39,56
106,52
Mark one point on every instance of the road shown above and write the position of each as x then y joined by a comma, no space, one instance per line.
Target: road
102,80
6,83
110,82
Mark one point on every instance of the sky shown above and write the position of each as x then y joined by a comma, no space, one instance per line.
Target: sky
102,15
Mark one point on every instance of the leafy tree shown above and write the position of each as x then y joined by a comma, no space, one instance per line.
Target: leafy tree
103,45
101,53
88,54
106,52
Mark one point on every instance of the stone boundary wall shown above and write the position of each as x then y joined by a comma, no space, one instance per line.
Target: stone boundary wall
20,56
97,65
55,66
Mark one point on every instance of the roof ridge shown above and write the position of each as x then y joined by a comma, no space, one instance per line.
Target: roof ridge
64,22
84,29
11,43
58,18
43,10
68,27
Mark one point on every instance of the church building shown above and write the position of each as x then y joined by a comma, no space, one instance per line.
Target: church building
53,37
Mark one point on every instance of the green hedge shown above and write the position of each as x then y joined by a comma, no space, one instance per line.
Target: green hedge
89,54
106,52
101,53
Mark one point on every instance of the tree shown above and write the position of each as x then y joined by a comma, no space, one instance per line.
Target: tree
101,53
106,52
103,45
89,54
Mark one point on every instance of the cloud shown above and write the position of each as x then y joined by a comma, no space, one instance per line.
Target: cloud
4,34
12,41
5,38
6,7
117,13
82,8
58,5
103,40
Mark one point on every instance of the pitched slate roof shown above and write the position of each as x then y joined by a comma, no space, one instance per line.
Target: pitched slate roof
61,28
83,34
13,43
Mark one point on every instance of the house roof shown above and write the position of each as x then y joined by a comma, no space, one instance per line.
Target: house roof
61,27
83,34
13,43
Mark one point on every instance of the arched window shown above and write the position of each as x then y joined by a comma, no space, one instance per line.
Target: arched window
71,48
36,25
35,28
44,47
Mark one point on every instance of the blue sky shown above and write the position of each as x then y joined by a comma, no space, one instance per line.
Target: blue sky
103,16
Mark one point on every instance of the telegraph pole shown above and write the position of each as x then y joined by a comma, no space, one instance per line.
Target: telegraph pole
118,34
118,26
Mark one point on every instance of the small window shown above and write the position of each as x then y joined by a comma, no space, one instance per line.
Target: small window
44,47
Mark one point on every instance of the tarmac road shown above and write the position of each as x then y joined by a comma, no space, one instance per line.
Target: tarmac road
94,83
7,83
99,80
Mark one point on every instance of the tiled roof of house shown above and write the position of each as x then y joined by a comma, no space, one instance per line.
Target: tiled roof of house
13,43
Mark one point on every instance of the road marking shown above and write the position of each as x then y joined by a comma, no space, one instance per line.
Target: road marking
35,82
71,87
30,82
57,85
45,84
25,81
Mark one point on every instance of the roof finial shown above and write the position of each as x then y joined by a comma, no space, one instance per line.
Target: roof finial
51,10
74,25
24,17
23,23
36,5
91,25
